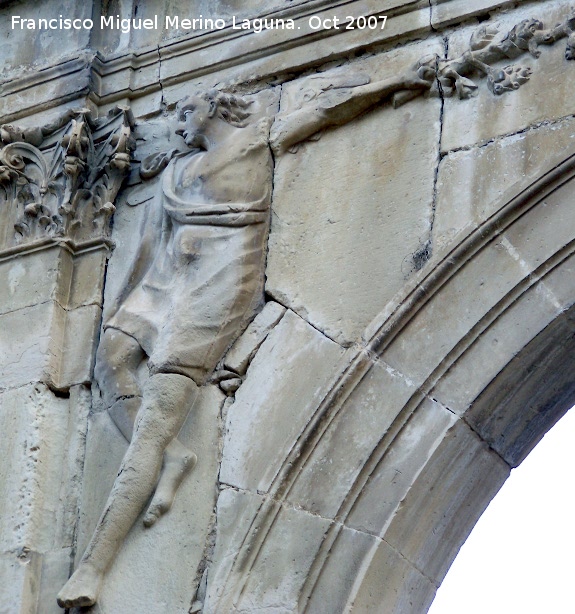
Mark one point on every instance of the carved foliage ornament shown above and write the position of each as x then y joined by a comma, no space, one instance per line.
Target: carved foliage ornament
489,45
60,181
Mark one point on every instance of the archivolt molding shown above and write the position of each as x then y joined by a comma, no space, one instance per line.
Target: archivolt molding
389,331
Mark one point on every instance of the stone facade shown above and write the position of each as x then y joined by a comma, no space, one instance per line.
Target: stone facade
280,309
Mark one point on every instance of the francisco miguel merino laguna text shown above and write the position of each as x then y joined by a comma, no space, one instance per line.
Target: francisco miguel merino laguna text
170,22
174,22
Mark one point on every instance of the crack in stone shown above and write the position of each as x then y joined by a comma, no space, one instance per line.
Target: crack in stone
530,128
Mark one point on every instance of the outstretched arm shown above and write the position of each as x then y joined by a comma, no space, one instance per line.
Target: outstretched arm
335,107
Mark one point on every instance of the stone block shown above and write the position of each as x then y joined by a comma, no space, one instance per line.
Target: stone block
53,273
234,514
275,402
513,111
346,231
449,314
494,348
87,282
445,501
364,574
31,279
35,496
471,183
339,456
394,471
529,395
279,571
243,350
546,229
392,585
26,343
78,346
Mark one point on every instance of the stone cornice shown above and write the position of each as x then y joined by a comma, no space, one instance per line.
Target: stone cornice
262,56
258,56
235,56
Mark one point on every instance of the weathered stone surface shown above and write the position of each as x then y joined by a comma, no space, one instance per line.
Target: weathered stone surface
53,273
48,343
275,402
441,508
494,348
424,342
529,395
31,279
243,350
41,451
234,513
79,344
447,12
339,248
29,580
547,230
36,49
377,570
513,111
277,575
87,278
40,483
20,584
399,467
471,182
27,343
338,458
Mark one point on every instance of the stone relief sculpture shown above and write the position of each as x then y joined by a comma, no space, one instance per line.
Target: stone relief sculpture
196,285
489,45
198,279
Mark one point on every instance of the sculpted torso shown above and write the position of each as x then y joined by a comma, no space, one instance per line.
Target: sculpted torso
236,170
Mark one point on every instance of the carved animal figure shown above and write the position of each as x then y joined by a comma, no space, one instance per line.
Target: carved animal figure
522,37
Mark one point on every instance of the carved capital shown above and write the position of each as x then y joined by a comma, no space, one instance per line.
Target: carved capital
60,180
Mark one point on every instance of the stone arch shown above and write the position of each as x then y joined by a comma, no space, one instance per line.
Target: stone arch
451,387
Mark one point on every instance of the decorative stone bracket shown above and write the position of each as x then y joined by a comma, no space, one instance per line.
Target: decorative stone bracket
60,180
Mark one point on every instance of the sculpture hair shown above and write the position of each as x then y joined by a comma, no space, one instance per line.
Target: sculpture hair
229,107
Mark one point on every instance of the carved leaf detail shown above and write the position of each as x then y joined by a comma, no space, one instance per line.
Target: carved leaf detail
65,183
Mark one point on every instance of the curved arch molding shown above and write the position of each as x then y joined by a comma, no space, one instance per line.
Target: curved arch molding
363,495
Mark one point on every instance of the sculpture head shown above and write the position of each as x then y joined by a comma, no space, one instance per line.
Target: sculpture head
198,114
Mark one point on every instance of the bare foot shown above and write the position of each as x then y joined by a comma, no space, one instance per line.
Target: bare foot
178,462
82,588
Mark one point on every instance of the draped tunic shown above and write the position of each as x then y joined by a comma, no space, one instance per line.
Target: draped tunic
205,281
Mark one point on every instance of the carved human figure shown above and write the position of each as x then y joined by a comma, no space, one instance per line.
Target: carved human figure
196,284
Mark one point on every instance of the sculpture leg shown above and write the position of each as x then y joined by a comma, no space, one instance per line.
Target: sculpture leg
167,399
116,371
117,362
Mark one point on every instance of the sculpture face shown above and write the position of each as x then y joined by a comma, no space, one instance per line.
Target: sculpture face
196,115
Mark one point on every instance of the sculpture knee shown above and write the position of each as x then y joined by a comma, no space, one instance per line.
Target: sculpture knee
167,399
117,361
